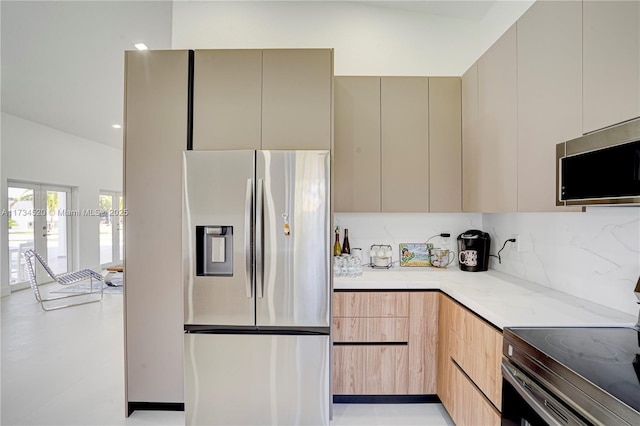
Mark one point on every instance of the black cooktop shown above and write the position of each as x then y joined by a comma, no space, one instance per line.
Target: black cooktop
607,357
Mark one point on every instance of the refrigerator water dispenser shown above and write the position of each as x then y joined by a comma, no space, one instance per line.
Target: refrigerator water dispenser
214,250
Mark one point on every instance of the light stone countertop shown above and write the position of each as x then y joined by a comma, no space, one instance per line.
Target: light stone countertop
501,299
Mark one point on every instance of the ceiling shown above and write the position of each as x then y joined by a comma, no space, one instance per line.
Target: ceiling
470,9
63,62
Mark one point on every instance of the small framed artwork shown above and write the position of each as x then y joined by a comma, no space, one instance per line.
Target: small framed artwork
415,254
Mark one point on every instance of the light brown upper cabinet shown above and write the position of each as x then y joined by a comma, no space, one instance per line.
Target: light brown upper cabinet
357,144
397,147
404,128
611,58
489,143
445,144
227,105
549,97
297,98
262,99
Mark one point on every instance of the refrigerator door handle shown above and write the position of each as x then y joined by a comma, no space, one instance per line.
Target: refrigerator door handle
248,205
259,230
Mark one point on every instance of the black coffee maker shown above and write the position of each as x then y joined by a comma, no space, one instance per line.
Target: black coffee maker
473,250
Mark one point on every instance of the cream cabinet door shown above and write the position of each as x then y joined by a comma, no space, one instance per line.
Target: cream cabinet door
549,97
497,112
356,169
471,143
445,145
611,58
297,98
405,144
227,109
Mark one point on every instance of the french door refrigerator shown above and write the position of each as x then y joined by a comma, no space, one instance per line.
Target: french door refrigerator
256,256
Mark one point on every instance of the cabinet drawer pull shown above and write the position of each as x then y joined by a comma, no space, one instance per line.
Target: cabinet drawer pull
370,343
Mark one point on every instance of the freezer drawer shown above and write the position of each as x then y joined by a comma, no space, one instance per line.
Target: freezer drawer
256,379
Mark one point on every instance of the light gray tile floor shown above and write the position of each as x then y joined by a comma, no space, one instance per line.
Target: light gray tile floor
66,367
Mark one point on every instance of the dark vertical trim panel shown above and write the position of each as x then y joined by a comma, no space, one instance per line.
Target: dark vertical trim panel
190,102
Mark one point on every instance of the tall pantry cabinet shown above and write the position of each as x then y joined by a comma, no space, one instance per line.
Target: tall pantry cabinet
155,133
222,99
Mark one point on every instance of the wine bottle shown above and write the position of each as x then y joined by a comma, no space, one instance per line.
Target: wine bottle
346,248
336,247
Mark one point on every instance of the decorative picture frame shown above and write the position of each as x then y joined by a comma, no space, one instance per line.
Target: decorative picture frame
415,254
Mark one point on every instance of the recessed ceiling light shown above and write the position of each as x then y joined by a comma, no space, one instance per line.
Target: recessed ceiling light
117,126
141,46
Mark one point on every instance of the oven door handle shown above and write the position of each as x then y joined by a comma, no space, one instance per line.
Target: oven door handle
540,401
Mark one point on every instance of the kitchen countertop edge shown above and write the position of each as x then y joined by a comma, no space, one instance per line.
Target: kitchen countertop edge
501,299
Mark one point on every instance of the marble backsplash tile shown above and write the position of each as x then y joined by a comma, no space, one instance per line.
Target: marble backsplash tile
594,255
367,229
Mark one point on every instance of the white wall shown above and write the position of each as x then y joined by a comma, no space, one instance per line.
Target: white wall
368,40
39,154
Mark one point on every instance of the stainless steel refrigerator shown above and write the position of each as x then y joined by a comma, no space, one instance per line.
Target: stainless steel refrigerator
256,256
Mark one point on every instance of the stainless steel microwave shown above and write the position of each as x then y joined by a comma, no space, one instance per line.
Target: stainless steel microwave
600,168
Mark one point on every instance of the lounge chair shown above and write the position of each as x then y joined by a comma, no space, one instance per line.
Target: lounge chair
50,302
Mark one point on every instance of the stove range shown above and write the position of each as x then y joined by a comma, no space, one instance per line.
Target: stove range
571,375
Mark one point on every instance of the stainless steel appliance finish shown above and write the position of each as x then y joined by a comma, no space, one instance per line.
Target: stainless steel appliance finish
293,271
600,142
637,293
541,388
216,187
257,340
263,379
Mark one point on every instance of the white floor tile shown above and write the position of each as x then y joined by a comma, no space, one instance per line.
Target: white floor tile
66,367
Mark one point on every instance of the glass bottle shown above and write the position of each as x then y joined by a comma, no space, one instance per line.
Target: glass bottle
336,247
346,248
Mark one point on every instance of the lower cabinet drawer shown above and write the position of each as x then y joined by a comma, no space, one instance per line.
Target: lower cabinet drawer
370,329
470,407
370,369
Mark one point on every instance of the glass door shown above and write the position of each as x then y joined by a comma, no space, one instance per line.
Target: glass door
21,226
57,228
38,220
111,228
